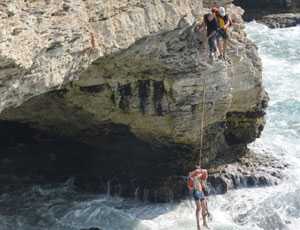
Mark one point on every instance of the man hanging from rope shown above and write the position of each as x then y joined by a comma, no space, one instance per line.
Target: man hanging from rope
196,184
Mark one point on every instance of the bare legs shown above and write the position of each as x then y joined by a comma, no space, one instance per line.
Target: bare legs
204,212
201,207
213,47
222,45
225,46
198,210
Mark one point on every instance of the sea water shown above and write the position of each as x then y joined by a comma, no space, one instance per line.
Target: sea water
60,207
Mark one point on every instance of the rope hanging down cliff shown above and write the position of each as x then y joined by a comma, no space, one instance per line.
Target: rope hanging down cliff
203,111
202,122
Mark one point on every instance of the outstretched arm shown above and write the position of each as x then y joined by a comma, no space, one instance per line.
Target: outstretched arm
200,27
229,22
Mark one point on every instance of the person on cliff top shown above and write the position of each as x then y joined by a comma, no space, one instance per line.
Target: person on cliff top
196,184
210,23
224,22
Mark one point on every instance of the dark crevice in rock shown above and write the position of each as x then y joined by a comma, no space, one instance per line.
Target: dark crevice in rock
91,228
159,92
144,93
125,95
94,88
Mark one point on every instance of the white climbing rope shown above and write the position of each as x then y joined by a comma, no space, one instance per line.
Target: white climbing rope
203,112
202,122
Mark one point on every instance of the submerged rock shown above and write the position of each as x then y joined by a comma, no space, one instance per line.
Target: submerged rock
126,79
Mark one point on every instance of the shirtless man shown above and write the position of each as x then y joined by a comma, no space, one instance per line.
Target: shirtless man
196,185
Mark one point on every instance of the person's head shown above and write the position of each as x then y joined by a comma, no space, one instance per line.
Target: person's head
222,11
215,10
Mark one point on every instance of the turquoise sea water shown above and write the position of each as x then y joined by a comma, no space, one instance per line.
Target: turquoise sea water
60,207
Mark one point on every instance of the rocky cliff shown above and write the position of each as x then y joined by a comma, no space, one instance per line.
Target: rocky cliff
126,78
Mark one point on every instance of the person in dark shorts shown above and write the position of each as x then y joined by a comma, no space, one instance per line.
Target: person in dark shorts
196,183
224,22
211,25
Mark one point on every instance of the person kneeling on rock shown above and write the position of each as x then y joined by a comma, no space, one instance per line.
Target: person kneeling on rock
211,25
196,184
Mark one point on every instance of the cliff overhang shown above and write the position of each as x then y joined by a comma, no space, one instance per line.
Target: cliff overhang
127,83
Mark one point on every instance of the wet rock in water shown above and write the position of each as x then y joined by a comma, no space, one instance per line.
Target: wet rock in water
281,20
250,170
219,184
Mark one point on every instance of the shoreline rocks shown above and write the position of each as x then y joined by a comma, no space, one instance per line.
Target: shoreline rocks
281,20
257,9
250,170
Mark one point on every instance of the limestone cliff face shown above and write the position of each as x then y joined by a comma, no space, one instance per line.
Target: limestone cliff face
127,78
49,42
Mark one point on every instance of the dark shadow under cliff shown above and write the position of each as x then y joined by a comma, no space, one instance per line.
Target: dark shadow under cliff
119,162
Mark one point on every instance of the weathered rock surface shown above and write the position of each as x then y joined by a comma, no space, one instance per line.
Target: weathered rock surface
281,20
49,42
126,78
